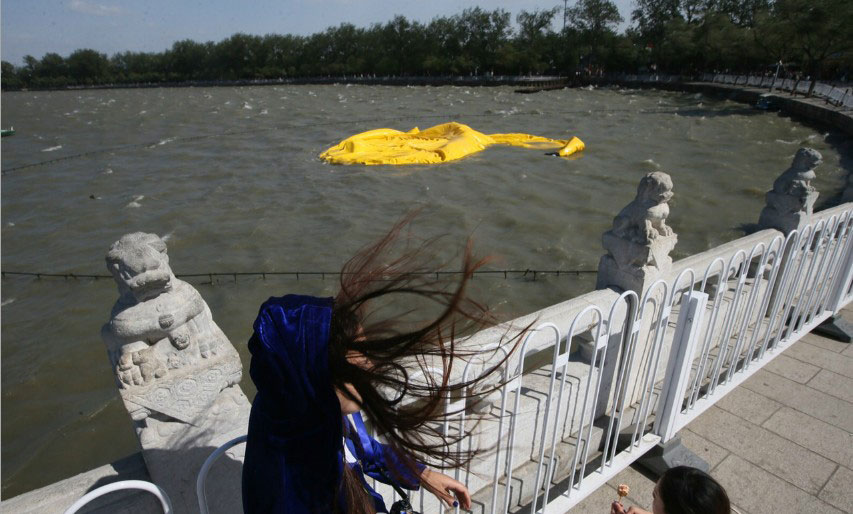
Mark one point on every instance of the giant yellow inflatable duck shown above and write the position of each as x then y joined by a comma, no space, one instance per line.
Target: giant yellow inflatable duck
441,143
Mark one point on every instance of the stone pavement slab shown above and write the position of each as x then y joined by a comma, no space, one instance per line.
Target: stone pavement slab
598,502
833,384
763,448
639,481
756,491
826,359
825,343
838,491
749,405
711,453
809,401
794,369
641,486
822,438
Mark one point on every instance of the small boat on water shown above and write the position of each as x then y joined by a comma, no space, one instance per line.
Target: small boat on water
7,132
765,102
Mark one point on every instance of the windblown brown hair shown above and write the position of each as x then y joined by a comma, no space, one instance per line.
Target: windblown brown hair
380,278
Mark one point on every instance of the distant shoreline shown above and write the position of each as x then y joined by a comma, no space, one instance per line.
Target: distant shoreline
526,81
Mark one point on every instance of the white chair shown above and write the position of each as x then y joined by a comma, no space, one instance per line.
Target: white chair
205,468
123,485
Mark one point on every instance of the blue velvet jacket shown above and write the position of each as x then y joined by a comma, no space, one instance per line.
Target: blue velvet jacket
294,452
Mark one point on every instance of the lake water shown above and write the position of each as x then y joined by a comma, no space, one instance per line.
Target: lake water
230,177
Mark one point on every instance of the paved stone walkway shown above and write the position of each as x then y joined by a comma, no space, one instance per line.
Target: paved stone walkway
780,443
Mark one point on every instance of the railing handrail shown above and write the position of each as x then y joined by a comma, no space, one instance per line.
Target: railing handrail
205,469
141,485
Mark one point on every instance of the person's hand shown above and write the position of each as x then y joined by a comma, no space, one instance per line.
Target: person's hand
442,486
617,508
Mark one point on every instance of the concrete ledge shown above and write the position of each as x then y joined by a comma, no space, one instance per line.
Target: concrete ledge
57,497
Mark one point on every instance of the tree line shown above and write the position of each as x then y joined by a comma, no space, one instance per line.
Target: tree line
811,37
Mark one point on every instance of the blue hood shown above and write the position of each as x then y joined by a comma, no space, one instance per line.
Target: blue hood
292,461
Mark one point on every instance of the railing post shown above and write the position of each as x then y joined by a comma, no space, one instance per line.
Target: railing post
670,452
835,326
678,368
846,275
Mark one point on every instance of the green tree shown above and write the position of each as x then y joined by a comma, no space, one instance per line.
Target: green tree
9,78
403,47
596,20
27,72
534,50
740,12
651,17
443,55
138,67
347,51
52,66
818,30
88,67
482,33
283,54
241,56
187,60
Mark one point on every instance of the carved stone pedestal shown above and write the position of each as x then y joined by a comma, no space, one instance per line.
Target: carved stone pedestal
633,266
787,213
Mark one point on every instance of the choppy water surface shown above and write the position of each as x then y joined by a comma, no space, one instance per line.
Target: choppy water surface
230,177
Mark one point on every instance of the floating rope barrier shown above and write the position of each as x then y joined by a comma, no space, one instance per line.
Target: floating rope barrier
507,273
150,144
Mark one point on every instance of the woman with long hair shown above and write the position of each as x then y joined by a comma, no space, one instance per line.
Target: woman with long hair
317,360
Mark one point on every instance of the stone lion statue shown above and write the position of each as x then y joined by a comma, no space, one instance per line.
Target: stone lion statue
790,204
796,180
176,371
644,219
158,327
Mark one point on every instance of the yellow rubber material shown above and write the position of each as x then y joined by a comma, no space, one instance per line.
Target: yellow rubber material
441,143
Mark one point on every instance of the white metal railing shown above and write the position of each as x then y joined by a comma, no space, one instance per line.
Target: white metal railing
200,491
839,96
801,292
123,485
655,363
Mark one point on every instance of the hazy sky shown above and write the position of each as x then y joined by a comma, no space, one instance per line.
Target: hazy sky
36,27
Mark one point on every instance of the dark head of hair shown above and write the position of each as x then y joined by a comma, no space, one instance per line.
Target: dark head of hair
400,316
686,490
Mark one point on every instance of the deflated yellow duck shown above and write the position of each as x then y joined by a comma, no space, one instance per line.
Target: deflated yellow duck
441,143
